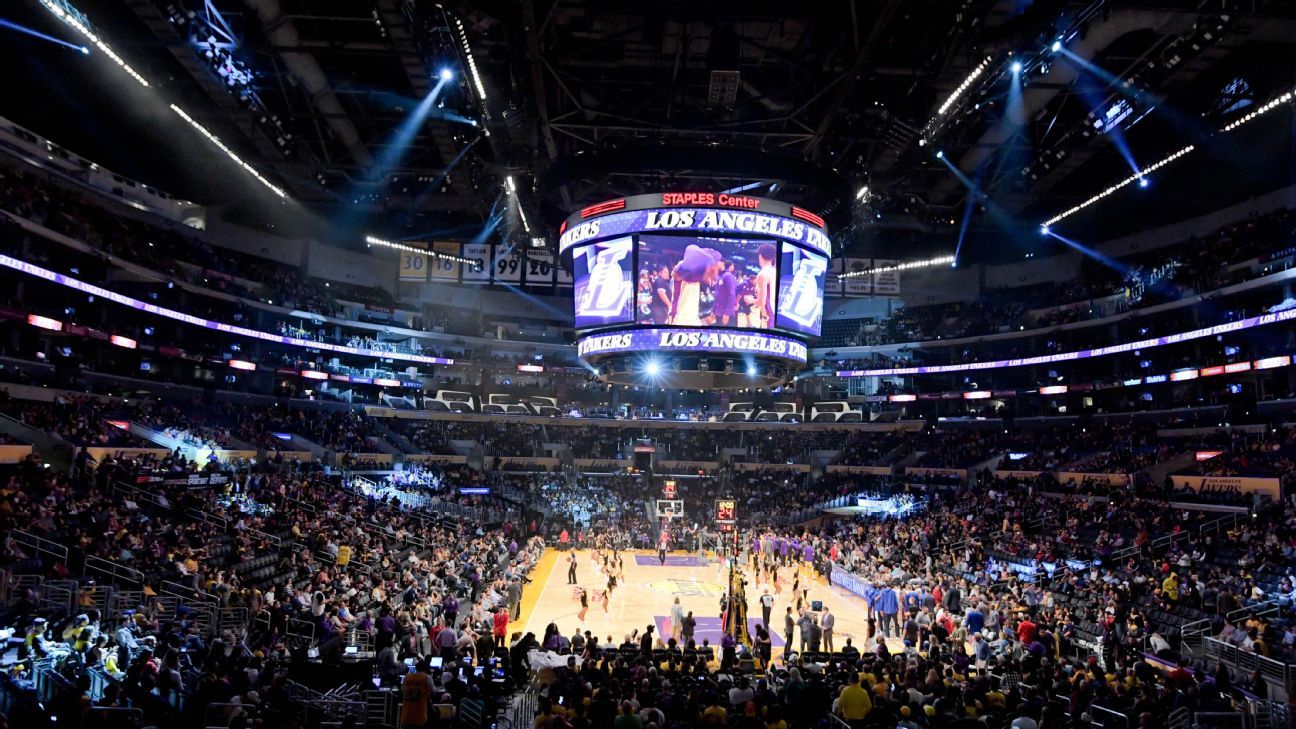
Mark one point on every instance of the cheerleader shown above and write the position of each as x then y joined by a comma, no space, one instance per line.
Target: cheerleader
584,602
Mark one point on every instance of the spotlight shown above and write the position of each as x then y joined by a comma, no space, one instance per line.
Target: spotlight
652,368
751,370
1016,67
922,142
1143,182
446,74
1057,46
940,154
1044,230
85,50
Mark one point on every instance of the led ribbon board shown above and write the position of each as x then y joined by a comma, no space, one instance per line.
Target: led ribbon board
1234,326
72,283
700,212
696,341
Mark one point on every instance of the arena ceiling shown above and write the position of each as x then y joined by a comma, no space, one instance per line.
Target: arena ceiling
590,99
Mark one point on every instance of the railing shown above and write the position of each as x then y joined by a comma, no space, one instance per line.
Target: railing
141,497
1268,608
1192,634
17,587
272,539
218,716
40,545
300,629
1106,718
58,595
112,716
1220,720
188,594
116,572
1269,714
209,518
1278,675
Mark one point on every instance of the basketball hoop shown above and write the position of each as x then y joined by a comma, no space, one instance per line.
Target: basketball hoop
670,509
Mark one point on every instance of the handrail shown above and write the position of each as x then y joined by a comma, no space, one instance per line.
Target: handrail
114,571
186,593
1267,607
1095,709
273,539
40,544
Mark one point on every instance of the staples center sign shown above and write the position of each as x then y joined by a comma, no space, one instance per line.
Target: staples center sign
693,340
733,222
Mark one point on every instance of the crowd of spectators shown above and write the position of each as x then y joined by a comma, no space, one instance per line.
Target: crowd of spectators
1141,279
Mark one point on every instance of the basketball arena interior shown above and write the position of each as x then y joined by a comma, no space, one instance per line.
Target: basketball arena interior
584,364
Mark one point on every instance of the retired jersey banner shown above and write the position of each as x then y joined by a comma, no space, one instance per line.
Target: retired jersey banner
413,266
444,269
539,267
506,266
481,253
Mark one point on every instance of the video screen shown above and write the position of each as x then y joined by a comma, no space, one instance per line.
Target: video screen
604,290
691,282
801,290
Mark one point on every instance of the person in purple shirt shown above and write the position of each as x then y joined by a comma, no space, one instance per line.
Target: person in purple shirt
807,554
725,306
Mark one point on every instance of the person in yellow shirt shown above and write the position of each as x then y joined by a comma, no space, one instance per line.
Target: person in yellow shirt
715,715
853,703
1170,587
416,690
343,555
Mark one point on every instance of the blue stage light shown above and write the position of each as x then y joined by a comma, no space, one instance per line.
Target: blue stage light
1057,46
446,74
1016,67
1143,182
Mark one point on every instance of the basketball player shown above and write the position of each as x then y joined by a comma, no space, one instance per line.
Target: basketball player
762,315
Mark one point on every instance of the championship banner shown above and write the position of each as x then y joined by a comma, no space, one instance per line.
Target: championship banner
886,283
539,267
413,266
857,285
444,269
833,284
506,266
481,253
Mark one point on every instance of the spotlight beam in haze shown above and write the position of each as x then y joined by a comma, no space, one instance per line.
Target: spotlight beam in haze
37,34
1091,253
404,135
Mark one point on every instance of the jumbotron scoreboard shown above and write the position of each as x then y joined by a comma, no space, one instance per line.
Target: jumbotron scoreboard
696,290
